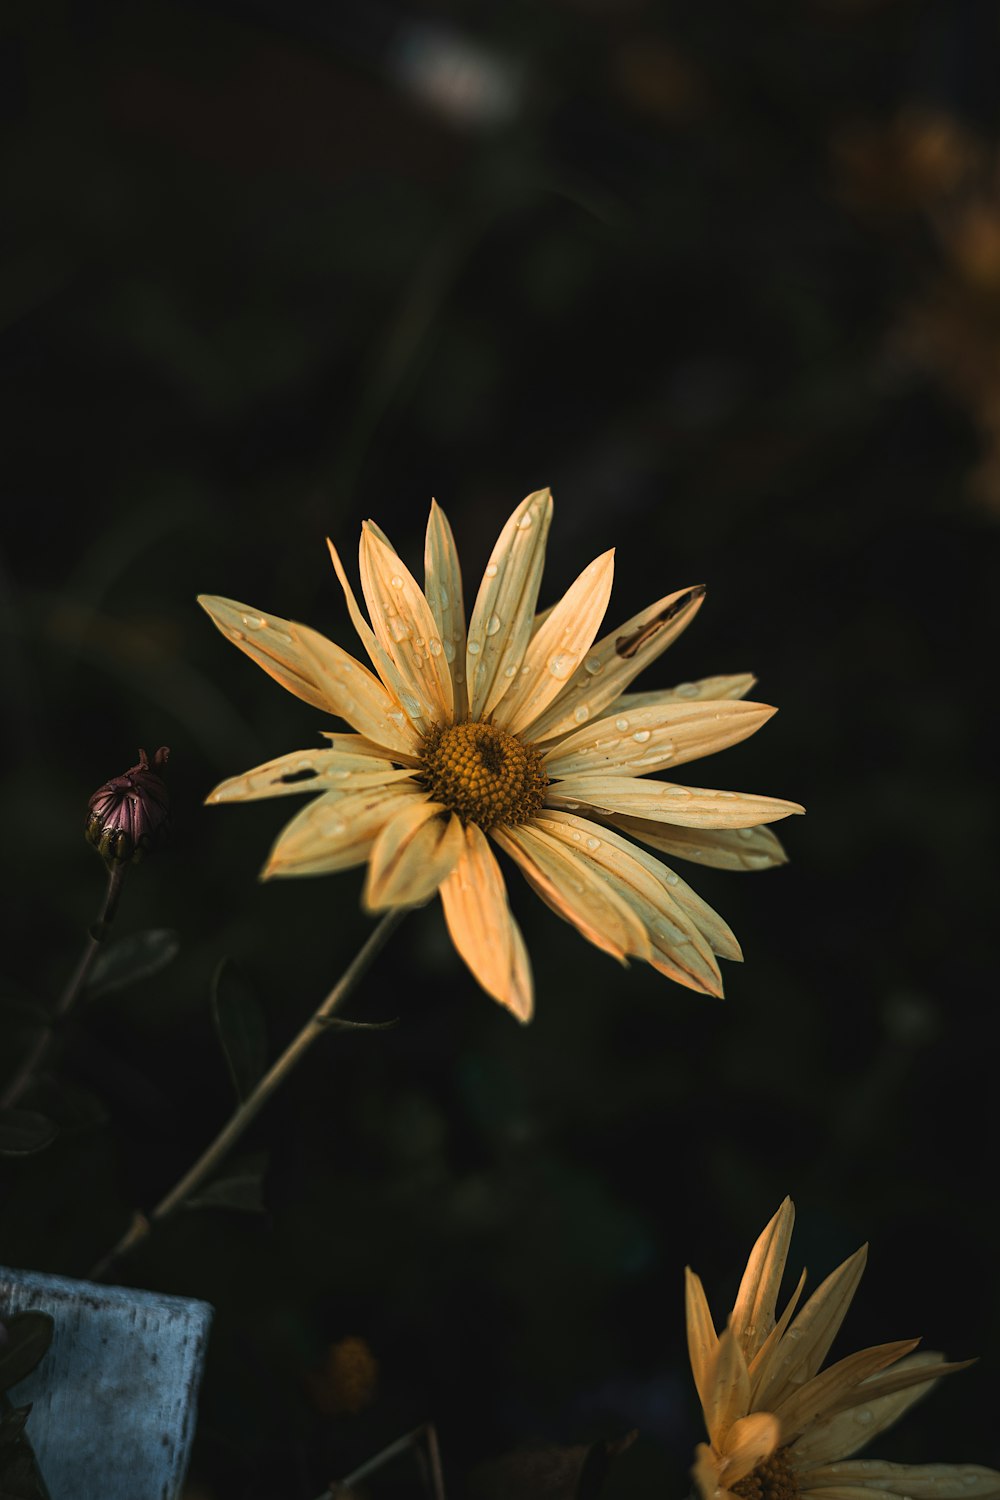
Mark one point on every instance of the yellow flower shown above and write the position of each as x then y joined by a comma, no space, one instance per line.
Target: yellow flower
518,728
780,1427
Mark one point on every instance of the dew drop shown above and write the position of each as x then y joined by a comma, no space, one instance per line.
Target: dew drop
491,571
526,522
730,796
686,690
443,598
435,647
412,705
474,648
593,665
459,677
561,665
670,878
254,622
397,716
969,1480
581,713
397,627
621,724
510,671
449,650
744,833
396,581
593,843
863,1415
641,736
683,791
493,625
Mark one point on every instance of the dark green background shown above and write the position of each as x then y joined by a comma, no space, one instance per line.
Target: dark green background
254,292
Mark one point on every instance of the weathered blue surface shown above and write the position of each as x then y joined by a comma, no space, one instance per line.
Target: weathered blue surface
114,1399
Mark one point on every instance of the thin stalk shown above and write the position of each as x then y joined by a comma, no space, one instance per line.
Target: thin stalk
401,1445
242,1117
39,1049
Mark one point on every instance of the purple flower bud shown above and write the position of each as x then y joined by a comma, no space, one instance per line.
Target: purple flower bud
130,814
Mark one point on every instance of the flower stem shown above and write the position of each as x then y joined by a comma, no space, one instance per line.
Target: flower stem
241,1118
39,1049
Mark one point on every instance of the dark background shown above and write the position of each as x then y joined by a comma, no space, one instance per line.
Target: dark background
727,277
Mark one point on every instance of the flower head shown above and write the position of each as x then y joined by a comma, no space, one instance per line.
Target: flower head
130,814
516,730
779,1427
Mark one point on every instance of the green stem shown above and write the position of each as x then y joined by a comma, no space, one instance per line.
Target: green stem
39,1049
241,1118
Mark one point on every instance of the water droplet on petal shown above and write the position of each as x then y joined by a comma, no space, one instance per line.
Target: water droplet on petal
493,625
561,665
593,665
745,833
459,677
413,706
581,713
397,716
686,690
510,671
670,877
641,736
397,628
474,648
593,843
863,1415
729,795
435,647
526,522
396,581
683,791
449,650
254,622
491,571
443,598
621,724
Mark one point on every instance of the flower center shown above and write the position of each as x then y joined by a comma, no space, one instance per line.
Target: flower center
774,1479
483,773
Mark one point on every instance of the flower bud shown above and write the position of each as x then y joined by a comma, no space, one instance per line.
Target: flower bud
130,815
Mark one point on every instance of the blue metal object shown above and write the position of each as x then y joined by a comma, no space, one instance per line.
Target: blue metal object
114,1399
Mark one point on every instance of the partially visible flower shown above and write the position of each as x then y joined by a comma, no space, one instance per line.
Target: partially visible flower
781,1428
519,730
346,1381
129,815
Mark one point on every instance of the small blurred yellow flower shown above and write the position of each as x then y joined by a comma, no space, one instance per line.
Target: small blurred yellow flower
779,1426
517,729
346,1382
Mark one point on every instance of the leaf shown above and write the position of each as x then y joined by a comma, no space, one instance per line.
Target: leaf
23,1132
29,1335
242,1190
239,1025
132,958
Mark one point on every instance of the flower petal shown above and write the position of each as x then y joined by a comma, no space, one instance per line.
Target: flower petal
416,849
761,1361
383,663
836,1387
502,616
749,1442
307,771
721,848
729,1389
482,928
616,659
574,891
921,1481
835,1437
356,695
702,1339
647,739
728,686
443,588
682,928
335,832
272,643
801,1352
753,1314
555,650
666,802
405,627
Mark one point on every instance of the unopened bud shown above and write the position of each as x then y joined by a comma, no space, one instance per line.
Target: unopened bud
129,815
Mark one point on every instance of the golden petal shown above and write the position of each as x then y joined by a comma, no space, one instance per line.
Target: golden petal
482,928
336,832
359,696
835,1437
502,615
383,663
573,889
749,1442
730,685
443,588
415,850
666,802
648,739
405,627
760,1365
557,647
616,660
805,1345
273,644
729,1389
920,1481
307,771
753,1313
702,1339
720,848
837,1387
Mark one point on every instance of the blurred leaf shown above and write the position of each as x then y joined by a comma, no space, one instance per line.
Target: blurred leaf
242,1190
136,957
576,1473
239,1025
338,1023
23,1132
68,1107
29,1335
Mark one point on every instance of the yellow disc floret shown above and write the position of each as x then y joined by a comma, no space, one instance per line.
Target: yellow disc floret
774,1479
483,774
